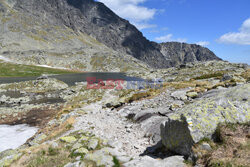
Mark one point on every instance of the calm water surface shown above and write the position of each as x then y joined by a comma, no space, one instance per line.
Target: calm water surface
71,79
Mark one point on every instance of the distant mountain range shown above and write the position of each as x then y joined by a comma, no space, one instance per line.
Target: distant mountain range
86,35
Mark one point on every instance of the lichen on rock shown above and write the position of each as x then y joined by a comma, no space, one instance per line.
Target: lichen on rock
204,115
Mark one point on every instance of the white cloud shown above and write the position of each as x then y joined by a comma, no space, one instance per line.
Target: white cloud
133,11
141,26
241,38
168,38
203,43
164,38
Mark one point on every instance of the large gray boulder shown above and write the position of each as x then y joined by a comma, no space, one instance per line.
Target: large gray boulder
176,136
200,119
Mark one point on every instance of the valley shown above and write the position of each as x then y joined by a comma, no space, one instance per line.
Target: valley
82,87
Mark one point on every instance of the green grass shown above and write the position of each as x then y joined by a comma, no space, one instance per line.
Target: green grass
116,162
18,70
207,76
54,157
52,151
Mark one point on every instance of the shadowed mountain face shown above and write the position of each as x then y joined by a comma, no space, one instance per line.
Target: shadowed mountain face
182,53
98,21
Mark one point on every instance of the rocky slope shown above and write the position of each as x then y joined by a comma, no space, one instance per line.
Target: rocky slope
30,38
142,126
48,32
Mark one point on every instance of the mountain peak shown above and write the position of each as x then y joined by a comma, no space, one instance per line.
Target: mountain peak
99,22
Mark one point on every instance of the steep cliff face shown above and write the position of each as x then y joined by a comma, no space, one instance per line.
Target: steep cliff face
38,27
182,53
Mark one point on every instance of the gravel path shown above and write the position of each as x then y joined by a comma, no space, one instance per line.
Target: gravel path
124,135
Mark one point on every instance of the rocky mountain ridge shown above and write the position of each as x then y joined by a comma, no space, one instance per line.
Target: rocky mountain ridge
75,26
183,53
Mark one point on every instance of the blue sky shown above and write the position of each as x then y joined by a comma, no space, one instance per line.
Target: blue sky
221,25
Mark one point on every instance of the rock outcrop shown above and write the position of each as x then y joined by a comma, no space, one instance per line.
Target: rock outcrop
200,119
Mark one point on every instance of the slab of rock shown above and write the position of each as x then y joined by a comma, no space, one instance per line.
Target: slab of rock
174,161
180,94
81,151
68,139
192,94
75,164
201,118
76,146
101,157
205,146
92,144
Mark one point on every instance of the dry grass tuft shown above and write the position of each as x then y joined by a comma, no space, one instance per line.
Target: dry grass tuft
233,149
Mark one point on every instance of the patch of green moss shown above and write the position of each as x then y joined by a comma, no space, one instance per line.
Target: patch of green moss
18,70
116,162
213,75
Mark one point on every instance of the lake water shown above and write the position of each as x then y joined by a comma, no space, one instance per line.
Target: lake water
11,137
71,79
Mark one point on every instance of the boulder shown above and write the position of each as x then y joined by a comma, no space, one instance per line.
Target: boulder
92,144
176,136
81,151
101,157
76,146
75,164
200,119
68,139
226,77
180,94
192,94
205,146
